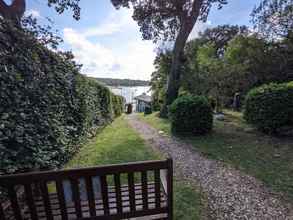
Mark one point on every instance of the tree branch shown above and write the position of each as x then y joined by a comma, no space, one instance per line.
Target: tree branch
18,8
3,8
13,12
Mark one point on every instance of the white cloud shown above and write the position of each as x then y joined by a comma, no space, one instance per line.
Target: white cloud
34,13
92,55
114,24
130,59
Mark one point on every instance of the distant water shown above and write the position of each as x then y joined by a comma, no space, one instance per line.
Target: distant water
130,92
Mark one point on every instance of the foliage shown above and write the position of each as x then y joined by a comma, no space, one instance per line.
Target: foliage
47,107
44,33
273,18
118,104
213,102
221,35
158,82
61,5
270,107
220,66
203,69
191,114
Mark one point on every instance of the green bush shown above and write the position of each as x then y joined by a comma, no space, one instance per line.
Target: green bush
191,114
270,107
47,107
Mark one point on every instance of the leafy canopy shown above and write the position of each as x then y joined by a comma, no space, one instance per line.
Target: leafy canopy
162,19
62,5
222,34
274,18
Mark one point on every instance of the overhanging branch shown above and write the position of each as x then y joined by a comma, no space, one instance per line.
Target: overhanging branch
3,7
14,12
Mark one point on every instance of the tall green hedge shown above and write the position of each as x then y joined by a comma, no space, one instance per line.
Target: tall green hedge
47,107
118,104
270,107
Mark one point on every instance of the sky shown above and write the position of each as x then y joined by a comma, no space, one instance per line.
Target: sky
107,42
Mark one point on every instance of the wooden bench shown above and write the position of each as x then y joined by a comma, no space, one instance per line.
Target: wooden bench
123,191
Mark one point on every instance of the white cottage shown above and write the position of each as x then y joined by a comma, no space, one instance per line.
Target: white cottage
142,101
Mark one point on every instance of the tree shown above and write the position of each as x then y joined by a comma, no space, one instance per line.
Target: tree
205,68
169,20
158,82
15,11
273,18
222,34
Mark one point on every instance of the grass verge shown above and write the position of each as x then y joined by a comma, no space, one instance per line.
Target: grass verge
234,142
119,143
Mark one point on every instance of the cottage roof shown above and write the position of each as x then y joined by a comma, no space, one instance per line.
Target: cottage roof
144,97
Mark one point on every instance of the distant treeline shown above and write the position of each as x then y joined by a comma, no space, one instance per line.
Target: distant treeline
123,82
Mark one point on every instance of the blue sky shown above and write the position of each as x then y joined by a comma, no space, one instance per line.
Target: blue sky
108,42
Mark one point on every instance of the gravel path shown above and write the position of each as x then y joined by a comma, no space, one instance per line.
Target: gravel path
230,193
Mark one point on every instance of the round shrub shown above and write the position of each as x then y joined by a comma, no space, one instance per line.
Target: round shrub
191,115
270,107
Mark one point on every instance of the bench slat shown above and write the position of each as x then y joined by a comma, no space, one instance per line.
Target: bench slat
76,197
170,188
46,200
157,188
30,201
131,191
90,195
105,195
118,193
2,216
14,203
144,187
82,172
61,198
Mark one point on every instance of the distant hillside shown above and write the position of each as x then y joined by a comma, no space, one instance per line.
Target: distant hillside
123,82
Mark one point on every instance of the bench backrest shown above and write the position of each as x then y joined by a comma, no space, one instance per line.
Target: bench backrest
106,192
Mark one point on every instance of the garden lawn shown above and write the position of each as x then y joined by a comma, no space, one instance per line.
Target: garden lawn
119,143
232,141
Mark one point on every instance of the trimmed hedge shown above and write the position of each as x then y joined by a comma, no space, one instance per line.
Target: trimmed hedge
47,107
191,115
118,104
270,107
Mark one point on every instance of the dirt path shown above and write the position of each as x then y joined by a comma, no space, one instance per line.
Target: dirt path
230,193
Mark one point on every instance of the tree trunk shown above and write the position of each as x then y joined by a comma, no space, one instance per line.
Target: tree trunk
13,12
173,81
